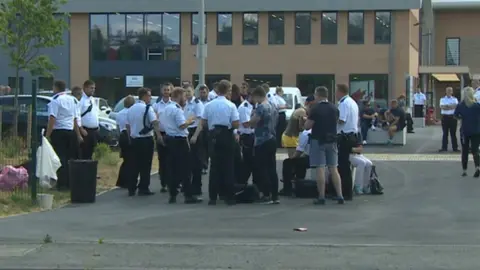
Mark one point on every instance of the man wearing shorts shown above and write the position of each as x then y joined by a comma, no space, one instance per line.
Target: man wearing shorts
322,119
295,127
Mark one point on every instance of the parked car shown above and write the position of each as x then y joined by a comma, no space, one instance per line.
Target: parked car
119,106
292,97
109,132
101,103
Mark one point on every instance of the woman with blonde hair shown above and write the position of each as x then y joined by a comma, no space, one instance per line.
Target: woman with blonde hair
468,111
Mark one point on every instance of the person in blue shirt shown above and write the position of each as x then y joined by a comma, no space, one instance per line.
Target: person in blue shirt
178,147
468,111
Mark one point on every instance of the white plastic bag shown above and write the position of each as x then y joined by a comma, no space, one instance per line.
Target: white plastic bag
47,163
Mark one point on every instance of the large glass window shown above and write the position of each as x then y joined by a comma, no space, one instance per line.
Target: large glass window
196,28
171,36
250,29
254,80
452,52
210,79
133,50
382,27
329,29
276,28
45,83
303,28
373,87
99,36
224,29
154,39
116,36
308,82
12,82
356,28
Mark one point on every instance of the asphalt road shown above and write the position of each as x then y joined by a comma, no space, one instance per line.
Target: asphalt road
428,219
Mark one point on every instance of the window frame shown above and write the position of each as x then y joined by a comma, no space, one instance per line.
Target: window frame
191,28
269,31
367,77
218,32
250,77
349,42
321,28
446,50
243,29
375,41
310,28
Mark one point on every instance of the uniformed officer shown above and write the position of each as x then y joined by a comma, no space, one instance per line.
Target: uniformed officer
203,96
282,117
448,103
214,92
141,121
178,160
125,143
89,113
77,93
246,138
159,107
221,116
62,112
194,109
272,97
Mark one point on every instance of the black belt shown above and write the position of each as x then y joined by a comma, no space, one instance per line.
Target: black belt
447,115
192,128
143,138
247,134
92,129
176,137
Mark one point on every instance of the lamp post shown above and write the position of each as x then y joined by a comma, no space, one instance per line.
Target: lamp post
201,47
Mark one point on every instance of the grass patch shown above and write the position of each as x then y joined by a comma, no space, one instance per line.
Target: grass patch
109,162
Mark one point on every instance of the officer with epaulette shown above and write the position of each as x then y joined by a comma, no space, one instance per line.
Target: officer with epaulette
89,113
272,97
213,93
62,119
125,143
162,154
77,93
194,109
246,138
221,116
141,121
178,160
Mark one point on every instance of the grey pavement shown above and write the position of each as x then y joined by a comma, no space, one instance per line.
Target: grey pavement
427,219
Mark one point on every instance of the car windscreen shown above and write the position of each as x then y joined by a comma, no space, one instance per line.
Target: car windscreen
289,100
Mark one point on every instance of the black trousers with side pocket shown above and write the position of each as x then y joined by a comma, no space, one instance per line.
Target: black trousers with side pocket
89,143
221,146
65,144
248,161
125,143
162,154
196,161
141,163
179,165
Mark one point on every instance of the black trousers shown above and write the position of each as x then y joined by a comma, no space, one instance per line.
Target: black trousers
179,165
345,145
65,144
294,168
449,126
162,154
470,144
221,146
265,173
246,143
409,122
281,126
418,111
196,162
89,143
123,179
206,153
141,163
237,163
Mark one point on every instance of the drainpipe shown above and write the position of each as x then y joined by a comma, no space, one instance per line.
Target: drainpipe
391,59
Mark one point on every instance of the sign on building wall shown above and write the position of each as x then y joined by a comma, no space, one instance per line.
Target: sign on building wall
134,81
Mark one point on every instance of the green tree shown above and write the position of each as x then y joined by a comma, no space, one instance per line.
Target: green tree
26,27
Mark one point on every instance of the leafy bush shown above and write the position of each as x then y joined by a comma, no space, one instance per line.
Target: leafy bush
111,159
101,151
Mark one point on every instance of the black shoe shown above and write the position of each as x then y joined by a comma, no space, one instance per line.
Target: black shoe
411,131
456,150
212,202
230,202
477,173
145,193
131,193
192,200
442,150
163,190
464,174
172,200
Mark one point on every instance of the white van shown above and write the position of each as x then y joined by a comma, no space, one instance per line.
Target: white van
292,96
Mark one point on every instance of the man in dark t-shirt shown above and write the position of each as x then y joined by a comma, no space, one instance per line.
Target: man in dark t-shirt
367,115
396,117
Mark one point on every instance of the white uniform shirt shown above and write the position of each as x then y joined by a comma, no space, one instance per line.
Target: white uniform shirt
444,101
121,119
348,110
244,113
90,118
272,98
64,108
212,95
159,107
419,99
281,102
220,111
173,117
78,114
194,108
477,95
135,119
303,142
